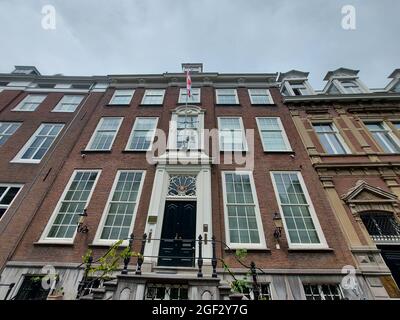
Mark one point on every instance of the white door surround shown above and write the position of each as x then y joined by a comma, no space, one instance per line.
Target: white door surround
159,196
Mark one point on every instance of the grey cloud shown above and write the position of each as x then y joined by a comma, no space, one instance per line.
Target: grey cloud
154,36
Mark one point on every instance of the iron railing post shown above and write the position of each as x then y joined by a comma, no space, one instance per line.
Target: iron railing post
128,258
256,290
140,257
214,258
200,259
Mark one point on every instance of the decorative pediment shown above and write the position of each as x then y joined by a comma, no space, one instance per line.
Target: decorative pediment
363,192
341,73
292,75
189,110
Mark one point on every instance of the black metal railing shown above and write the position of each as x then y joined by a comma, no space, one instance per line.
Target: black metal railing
200,242
382,227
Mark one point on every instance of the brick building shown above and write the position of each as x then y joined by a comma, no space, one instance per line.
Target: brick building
132,154
351,133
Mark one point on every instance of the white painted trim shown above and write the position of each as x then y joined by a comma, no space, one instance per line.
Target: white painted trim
133,130
268,93
17,158
262,244
337,134
8,186
388,130
97,240
147,91
89,148
283,133
18,107
183,90
43,237
244,140
173,128
131,92
323,244
61,102
159,197
227,104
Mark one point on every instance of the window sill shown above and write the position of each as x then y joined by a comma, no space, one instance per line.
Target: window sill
263,105
280,151
25,162
118,105
96,244
53,243
151,105
308,249
95,151
134,151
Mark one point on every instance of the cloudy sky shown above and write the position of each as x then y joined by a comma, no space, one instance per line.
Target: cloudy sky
94,37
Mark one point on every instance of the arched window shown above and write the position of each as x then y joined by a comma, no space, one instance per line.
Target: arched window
381,226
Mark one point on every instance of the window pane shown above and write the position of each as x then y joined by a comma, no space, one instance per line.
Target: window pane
272,134
122,97
260,96
329,138
226,96
295,208
143,133
42,141
73,204
231,134
105,134
68,103
153,97
383,137
30,103
121,208
242,221
7,129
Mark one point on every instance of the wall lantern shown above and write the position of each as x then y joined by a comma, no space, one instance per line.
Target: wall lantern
81,227
278,226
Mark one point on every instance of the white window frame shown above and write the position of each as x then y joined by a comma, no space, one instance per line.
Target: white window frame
323,244
62,101
107,242
336,132
25,100
173,128
44,238
117,92
8,186
148,92
182,95
352,91
18,157
217,93
262,245
283,133
244,140
267,93
9,135
127,148
89,145
388,130
320,291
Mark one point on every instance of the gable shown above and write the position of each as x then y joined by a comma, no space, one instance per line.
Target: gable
365,192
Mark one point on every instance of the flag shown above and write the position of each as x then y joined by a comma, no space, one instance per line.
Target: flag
188,84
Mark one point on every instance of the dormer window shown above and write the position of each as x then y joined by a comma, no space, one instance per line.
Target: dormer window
351,87
299,89
396,88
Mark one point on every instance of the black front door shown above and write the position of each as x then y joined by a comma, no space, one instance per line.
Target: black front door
391,255
177,245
